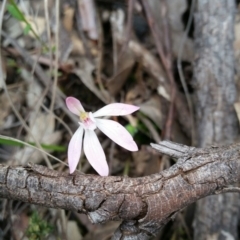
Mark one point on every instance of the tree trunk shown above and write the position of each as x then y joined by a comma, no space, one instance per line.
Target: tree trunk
216,216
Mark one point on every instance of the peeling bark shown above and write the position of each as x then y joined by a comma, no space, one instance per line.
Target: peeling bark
143,204
215,95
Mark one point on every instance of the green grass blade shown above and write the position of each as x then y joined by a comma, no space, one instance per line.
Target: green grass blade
14,143
15,12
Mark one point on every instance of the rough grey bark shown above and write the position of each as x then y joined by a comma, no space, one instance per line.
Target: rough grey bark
216,92
143,204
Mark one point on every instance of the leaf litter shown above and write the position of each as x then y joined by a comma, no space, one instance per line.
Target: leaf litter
102,57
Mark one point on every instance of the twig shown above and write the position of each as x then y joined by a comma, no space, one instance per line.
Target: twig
100,54
115,51
132,200
54,89
172,149
180,71
166,34
46,2
128,28
167,41
167,64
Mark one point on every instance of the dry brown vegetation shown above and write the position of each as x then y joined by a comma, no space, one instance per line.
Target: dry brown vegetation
184,76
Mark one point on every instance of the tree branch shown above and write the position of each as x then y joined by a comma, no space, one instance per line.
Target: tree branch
144,204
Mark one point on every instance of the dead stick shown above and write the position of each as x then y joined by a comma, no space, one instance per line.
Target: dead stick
166,61
143,204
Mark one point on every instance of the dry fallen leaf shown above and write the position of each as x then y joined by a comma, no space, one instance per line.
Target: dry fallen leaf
151,128
43,130
38,25
78,47
146,161
13,29
73,232
88,17
68,17
85,74
138,94
155,109
34,92
237,109
124,69
3,71
19,225
6,108
103,232
149,62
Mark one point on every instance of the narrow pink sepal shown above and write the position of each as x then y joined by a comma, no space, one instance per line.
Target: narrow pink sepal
94,153
74,105
117,133
116,109
74,149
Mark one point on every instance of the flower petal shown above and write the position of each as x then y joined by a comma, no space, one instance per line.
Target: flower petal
116,109
117,133
94,153
74,149
74,105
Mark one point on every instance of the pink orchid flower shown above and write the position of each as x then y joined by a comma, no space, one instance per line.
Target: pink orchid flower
91,145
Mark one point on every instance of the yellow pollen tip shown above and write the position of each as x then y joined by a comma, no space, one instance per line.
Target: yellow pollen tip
83,116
